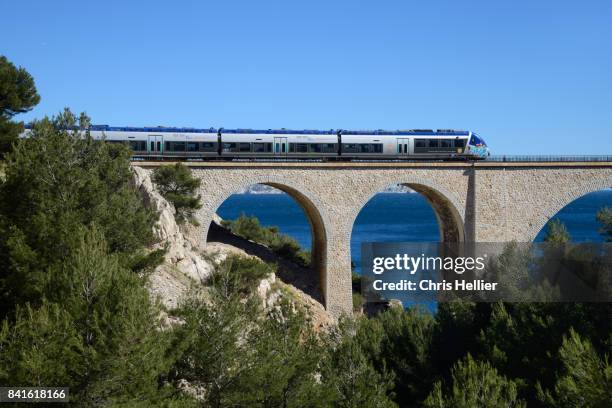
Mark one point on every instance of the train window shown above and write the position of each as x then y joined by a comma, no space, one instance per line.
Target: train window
314,148
301,148
434,143
230,147
447,143
138,145
175,146
421,145
277,147
262,147
370,148
208,147
349,147
322,147
330,148
245,147
284,147
152,146
192,146
459,142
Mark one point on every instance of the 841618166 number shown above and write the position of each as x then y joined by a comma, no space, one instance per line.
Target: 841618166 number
33,394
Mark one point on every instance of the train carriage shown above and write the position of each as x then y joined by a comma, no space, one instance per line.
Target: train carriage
423,144
162,142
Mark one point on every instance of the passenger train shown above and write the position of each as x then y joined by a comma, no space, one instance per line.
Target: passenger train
210,144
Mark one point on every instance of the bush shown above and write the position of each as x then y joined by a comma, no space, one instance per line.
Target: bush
282,245
237,275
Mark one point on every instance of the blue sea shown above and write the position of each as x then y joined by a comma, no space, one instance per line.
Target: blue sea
395,217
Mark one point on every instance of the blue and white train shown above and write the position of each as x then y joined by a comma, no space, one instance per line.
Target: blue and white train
210,144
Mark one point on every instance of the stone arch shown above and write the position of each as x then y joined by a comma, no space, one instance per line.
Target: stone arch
305,199
560,201
449,213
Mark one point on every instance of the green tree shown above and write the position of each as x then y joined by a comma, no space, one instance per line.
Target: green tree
179,187
586,379
17,95
604,216
557,233
239,354
286,355
56,182
474,384
400,341
96,331
350,374
214,356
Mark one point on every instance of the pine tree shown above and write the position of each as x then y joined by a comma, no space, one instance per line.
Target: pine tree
474,384
348,372
17,95
400,340
56,182
586,379
285,360
96,331
179,187
557,233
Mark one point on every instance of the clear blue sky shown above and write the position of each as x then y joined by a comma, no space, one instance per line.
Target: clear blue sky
532,77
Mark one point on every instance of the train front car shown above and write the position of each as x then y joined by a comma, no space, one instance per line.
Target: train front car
477,148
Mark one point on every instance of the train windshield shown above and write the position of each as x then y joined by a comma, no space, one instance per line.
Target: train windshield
477,141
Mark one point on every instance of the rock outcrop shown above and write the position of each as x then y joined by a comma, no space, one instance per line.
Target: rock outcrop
183,265
188,264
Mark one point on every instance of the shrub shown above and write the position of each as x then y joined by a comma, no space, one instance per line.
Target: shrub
238,275
282,245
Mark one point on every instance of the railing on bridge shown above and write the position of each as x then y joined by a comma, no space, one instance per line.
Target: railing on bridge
547,159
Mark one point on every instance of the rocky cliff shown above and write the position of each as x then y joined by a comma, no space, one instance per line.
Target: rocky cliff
187,263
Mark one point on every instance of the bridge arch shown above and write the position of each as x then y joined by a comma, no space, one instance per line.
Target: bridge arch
446,205
306,200
559,201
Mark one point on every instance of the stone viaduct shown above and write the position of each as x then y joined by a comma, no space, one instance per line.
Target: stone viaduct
482,201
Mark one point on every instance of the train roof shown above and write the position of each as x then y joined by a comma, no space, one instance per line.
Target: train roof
411,132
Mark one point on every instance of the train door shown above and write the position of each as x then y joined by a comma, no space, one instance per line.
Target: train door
403,147
156,145
280,146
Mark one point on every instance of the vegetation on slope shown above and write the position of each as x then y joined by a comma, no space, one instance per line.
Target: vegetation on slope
283,245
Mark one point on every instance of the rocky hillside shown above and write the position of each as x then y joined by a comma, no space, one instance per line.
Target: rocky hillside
187,263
